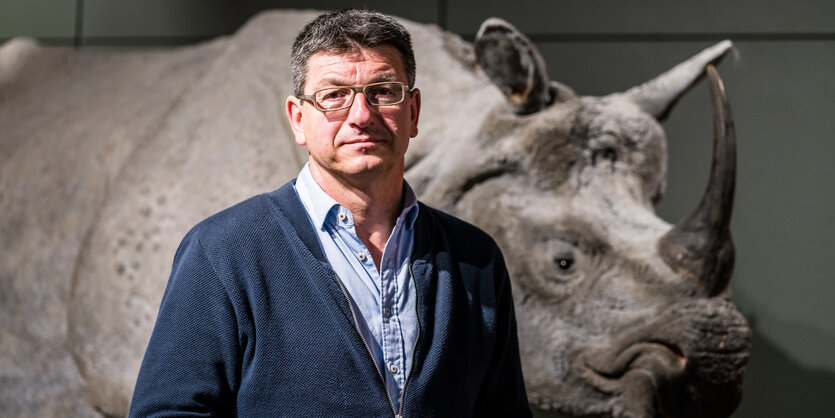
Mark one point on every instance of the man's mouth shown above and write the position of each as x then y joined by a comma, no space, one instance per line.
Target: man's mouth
361,140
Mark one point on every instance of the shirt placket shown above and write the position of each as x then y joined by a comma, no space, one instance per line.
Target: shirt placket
392,333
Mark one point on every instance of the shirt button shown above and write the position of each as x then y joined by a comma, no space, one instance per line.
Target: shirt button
387,311
341,216
361,256
393,368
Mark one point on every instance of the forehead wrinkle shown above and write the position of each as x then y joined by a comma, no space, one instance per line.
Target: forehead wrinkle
336,81
382,63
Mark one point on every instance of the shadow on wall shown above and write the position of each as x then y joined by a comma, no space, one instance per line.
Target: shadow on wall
777,386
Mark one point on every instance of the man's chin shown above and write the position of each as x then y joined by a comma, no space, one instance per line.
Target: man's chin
366,164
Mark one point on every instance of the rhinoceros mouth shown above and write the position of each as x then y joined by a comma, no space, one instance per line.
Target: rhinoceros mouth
636,375
688,362
654,359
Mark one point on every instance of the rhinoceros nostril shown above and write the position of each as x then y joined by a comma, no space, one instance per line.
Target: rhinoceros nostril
608,154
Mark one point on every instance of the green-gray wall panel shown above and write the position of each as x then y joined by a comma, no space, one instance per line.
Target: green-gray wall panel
787,197
37,18
109,21
777,385
647,16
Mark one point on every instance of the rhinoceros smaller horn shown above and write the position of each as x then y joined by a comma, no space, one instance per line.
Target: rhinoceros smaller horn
658,96
700,246
514,65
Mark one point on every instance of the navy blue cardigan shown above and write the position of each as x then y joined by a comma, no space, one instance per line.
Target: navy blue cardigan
254,322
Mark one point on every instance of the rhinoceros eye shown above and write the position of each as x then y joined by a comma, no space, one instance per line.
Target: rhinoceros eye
564,262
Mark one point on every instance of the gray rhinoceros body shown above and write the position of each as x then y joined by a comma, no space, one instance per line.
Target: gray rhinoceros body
108,158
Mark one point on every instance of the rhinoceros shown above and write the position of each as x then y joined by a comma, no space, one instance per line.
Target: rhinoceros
107,158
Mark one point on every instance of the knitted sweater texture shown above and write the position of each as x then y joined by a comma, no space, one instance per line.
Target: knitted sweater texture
254,323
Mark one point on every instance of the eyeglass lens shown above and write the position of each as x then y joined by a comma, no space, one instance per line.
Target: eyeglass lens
376,94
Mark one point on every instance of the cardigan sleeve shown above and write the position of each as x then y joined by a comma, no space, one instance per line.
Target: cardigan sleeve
503,392
192,364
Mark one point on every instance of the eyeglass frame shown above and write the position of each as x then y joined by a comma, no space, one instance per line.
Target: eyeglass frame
356,89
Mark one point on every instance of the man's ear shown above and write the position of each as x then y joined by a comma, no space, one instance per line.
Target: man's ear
414,106
294,115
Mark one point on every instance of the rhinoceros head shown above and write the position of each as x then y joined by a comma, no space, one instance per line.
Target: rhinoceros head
619,313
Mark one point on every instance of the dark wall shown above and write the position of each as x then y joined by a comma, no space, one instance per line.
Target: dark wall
781,85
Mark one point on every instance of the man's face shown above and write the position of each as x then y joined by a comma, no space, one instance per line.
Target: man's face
361,139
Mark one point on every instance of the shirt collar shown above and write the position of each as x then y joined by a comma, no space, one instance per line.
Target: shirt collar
317,203
410,206
322,208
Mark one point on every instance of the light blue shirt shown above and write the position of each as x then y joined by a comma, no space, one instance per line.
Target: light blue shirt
386,299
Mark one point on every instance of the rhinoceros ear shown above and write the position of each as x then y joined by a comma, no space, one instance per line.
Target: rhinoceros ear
514,65
658,96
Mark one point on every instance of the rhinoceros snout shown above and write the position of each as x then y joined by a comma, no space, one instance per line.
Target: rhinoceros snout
689,362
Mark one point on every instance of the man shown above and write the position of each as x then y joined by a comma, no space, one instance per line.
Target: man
338,294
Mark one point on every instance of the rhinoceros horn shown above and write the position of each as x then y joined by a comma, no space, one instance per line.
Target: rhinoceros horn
514,65
700,245
658,95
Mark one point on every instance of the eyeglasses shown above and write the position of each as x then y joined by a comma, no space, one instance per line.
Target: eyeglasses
386,93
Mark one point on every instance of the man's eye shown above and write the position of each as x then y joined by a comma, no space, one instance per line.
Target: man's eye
383,91
333,94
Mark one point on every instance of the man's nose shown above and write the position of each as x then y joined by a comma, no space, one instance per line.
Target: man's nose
360,111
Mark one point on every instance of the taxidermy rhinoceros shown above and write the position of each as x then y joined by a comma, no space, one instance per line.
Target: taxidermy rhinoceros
107,158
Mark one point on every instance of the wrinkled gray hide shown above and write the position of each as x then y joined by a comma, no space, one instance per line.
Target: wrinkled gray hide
107,158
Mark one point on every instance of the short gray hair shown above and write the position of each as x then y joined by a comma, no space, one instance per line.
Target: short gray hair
346,31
